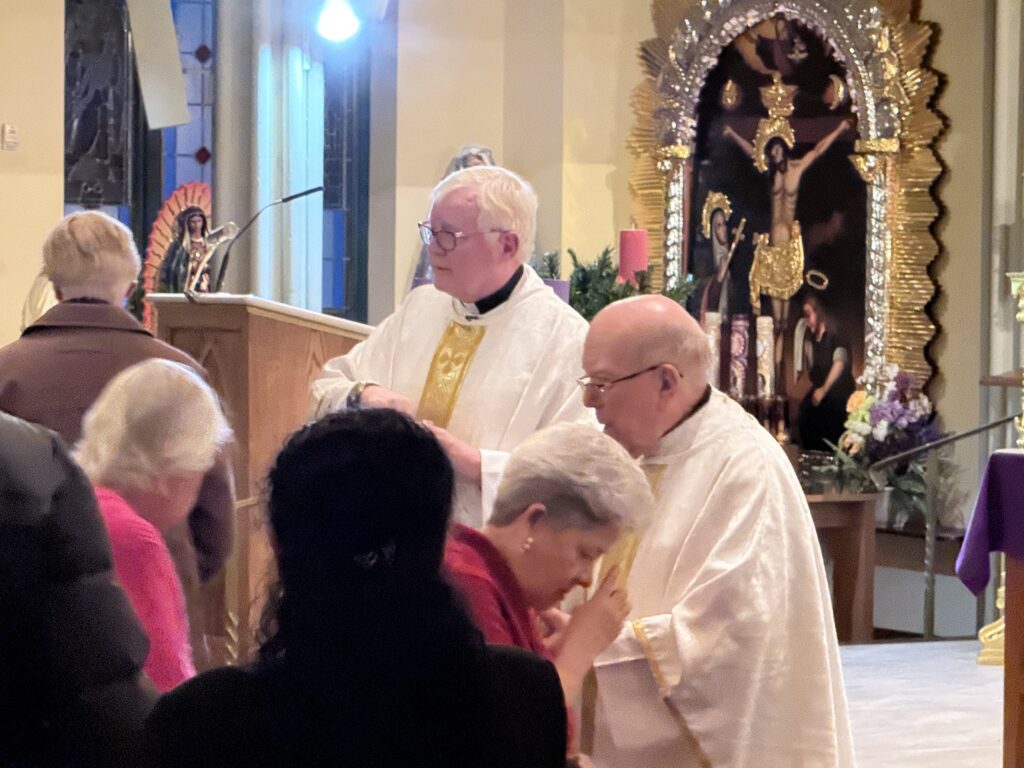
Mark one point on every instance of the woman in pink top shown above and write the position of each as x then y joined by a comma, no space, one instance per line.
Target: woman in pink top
147,441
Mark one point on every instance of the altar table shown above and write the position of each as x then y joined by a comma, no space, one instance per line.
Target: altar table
997,525
846,525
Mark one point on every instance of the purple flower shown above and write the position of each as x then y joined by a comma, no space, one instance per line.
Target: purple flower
903,381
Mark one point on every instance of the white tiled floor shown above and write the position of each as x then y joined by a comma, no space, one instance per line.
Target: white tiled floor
917,705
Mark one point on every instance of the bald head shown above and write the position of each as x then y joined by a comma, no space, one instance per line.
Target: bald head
651,356
652,329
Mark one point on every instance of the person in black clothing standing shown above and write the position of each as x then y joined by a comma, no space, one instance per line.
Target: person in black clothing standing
823,410
370,659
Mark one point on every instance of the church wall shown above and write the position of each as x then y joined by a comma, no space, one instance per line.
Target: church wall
965,191
534,109
601,70
449,91
31,177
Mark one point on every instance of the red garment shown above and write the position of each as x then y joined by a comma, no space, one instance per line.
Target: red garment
481,574
146,572
478,570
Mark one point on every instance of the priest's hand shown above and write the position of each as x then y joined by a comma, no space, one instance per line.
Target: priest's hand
376,396
464,457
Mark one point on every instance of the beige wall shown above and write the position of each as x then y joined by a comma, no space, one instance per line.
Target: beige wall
963,191
449,91
31,177
534,108
601,70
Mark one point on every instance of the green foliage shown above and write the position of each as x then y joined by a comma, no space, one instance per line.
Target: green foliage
550,266
593,286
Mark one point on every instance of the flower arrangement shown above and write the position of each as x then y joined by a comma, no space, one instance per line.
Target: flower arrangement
880,426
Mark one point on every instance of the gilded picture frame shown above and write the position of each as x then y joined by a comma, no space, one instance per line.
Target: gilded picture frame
884,50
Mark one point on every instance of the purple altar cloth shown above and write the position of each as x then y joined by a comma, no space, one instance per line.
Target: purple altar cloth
997,524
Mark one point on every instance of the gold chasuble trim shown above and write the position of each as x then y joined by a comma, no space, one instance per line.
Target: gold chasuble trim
452,359
623,551
648,648
622,554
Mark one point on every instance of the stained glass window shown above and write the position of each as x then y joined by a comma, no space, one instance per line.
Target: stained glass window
188,149
98,105
346,178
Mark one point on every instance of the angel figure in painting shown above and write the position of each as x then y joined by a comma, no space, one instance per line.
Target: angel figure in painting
779,254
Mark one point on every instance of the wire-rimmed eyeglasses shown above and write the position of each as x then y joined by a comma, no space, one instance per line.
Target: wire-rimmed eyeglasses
446,239
589,385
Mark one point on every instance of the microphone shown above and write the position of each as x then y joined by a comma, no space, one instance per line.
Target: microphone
227,251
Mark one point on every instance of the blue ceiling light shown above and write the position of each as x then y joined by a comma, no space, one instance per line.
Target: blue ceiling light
337,21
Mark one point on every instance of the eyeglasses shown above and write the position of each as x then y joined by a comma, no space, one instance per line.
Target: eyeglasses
589,385
447,240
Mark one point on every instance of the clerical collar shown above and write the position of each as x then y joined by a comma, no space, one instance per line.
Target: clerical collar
500,296
696,407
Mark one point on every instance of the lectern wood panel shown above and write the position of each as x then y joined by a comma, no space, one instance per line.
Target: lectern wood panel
261,358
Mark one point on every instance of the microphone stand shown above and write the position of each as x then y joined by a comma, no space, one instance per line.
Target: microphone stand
227,252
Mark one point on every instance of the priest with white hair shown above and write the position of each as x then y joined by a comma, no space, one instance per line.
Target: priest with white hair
488,354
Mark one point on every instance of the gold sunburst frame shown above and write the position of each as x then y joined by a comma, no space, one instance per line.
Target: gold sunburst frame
891,87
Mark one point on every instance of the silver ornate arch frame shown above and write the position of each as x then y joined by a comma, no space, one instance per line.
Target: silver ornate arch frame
884,50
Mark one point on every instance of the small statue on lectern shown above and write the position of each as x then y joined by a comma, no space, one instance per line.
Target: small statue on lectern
190,261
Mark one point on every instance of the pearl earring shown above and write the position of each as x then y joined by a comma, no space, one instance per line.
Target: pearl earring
526,545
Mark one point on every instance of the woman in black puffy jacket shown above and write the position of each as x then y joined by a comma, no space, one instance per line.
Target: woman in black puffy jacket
71,650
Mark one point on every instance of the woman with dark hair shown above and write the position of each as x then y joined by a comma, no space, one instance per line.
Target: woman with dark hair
370,659
827,357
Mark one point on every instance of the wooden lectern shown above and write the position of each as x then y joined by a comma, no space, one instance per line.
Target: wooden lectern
261,357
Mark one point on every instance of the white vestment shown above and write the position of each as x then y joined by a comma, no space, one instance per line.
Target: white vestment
520,378
729,657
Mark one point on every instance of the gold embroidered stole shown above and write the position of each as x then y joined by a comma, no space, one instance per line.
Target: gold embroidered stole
452,358
623,552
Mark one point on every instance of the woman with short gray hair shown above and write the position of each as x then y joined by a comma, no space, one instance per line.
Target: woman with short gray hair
567,494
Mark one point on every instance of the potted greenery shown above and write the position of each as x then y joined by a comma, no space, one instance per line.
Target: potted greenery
595,285
550,271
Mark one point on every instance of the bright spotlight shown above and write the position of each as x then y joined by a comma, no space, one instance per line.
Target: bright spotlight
337,21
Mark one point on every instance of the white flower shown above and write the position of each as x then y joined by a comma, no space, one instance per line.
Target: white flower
881,430
861,428
920,407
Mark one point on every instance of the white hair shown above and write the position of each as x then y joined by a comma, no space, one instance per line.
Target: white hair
91,254
687,349
505,200
155,420
583,477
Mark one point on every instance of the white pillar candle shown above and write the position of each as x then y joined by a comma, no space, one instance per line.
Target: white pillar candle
739,344
765,356
713,330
